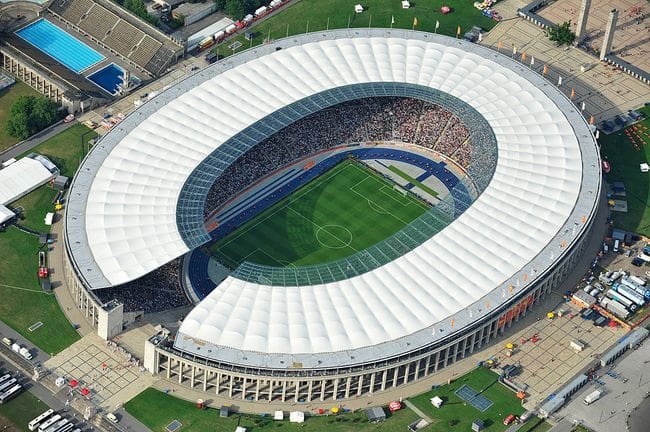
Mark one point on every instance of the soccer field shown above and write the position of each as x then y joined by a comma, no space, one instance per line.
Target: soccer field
344,211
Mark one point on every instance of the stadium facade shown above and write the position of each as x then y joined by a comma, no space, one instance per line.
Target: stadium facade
383,319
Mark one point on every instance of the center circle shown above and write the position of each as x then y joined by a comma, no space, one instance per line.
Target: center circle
334,236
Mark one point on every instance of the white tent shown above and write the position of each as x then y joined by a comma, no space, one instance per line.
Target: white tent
240,429
22,177
279,415
405,4
436,401
644,167
358,8
49,218
297,417
5,214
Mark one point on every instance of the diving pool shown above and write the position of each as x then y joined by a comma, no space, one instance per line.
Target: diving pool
108,78
62,47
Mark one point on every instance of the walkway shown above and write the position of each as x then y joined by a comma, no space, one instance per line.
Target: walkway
418,411
34,140
61,290
606,91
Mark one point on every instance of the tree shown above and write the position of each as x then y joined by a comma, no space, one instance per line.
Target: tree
30,114
235,9
221,4
562,34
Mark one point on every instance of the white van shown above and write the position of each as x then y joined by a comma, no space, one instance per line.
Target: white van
7,341
111,417
617,243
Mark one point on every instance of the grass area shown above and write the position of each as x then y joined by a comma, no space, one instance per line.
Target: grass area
35,205
66,149
455,415
318,15
325,220
23,302
413,181
156,410
624,159
22,409
7,98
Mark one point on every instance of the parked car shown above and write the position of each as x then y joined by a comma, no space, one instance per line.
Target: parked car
112,418
637,262
509,419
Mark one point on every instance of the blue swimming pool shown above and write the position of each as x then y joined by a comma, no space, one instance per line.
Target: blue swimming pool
59,45
108,78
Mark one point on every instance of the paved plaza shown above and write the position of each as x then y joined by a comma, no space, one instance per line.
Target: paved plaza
107,371
632,36
605,90
623,391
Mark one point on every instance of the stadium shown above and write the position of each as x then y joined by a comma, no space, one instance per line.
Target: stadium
350,211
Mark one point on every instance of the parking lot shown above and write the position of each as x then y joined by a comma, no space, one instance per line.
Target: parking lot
625,385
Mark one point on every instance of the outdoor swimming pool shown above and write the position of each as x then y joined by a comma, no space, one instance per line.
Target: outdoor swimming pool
108,78
59,45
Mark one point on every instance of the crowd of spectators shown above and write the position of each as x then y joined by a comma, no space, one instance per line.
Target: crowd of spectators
154,292
364,120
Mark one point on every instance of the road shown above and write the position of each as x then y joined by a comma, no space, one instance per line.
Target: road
34,140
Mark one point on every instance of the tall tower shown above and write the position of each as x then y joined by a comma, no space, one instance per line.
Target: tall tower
609,34
582,20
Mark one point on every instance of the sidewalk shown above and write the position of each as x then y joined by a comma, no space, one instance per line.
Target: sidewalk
60,288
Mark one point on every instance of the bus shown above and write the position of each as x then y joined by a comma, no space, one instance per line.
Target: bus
4,378
58,425
33,425
49,422
66,428
8,384
13,391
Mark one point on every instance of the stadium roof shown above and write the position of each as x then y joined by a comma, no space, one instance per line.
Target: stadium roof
122,216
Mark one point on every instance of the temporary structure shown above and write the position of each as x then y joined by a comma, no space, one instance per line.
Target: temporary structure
297,417
436,401
358,8
278,415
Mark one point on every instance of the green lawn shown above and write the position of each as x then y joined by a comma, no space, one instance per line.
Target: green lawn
22,409
35,205
66,149
624,160
314,15
23,303
7,98
156,410
325,220
455,415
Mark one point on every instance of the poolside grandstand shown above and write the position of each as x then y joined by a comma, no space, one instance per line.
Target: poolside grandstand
139,44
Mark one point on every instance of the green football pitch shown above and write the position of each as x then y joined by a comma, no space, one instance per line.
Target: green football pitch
345,210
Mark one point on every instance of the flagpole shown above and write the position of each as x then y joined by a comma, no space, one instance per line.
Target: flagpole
307,30
328,23
370,21
287,29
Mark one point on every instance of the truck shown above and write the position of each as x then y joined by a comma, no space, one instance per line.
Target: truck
593,397
623,300
615,307
25,353
629,293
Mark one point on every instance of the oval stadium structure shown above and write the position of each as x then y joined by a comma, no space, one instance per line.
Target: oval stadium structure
383,317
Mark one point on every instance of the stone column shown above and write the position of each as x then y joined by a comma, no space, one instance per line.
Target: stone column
609,34
582,21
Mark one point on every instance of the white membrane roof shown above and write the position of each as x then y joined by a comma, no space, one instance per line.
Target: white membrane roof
540,198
